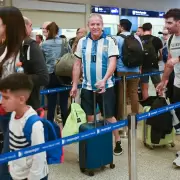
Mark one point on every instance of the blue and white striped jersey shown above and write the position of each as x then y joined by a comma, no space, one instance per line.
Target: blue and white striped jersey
95,56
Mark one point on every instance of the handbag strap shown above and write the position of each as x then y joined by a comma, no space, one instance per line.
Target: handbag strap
62,47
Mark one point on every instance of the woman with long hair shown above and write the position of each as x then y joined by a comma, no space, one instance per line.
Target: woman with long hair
13,38
53,49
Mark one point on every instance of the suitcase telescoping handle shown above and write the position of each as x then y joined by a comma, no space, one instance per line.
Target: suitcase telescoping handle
95,118
94,102
72,100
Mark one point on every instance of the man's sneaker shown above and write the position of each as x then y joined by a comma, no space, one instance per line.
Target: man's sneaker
118,149
177,131
176,162
178,154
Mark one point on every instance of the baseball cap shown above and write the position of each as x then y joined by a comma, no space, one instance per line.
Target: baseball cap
165,31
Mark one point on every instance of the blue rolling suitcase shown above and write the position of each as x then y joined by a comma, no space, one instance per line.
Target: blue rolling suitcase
97,152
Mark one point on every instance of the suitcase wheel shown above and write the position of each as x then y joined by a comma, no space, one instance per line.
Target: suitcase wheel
83,170
112,166
173,145
149,146
91,173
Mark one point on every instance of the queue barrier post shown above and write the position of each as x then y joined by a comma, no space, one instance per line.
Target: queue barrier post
132,154
124,132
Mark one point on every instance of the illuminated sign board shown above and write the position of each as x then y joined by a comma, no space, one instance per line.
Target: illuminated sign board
141,13
105,10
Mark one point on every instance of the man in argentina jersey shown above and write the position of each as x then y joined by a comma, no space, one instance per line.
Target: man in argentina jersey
96,56
172,18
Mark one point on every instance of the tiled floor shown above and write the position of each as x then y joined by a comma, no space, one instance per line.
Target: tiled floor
151,164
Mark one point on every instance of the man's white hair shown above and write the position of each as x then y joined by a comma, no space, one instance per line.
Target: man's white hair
95,15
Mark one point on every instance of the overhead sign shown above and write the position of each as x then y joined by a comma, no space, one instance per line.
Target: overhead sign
141,13
105,10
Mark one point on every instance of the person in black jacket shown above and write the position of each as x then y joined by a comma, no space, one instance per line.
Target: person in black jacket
15,47
34,65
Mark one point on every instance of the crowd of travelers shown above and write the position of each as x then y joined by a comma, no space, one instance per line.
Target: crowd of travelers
99,58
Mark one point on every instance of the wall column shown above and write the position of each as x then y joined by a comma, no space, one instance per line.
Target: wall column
8,2
88,12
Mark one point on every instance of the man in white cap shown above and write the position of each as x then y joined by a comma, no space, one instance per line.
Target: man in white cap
165,36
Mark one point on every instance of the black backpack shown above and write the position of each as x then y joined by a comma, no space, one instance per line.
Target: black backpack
132,51
150,55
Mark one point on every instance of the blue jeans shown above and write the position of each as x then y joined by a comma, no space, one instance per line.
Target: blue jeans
4,126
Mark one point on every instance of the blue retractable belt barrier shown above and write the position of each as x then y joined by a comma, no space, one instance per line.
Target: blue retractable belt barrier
81,136
142,75
158,111
60,142
66,88
85,135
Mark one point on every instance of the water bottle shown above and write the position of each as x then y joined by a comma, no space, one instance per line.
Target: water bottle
19,68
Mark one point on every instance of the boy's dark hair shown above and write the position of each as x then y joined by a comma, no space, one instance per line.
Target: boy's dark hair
126,24
140,27
173,13
147,27
40,36
16,82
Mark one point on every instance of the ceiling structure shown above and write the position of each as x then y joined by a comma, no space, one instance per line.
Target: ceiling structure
159,5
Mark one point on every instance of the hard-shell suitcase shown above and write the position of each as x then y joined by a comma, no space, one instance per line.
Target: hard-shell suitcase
96,152
1,141
168,140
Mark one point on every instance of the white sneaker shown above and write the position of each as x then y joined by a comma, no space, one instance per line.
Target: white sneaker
176,162
178,154
177,131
